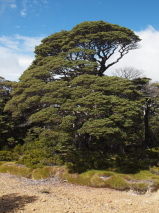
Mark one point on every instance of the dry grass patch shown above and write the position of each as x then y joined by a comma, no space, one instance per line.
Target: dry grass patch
139,182
14,169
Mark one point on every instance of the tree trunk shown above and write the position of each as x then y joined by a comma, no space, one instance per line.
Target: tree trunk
147,141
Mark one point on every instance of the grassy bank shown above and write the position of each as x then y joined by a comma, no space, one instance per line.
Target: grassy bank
140,182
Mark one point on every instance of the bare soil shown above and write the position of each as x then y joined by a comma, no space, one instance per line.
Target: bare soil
57,196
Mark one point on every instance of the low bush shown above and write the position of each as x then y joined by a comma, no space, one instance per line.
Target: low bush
5,155
82,161
118,183
33,159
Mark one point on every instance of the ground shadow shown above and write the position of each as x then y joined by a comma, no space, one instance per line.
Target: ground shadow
12,202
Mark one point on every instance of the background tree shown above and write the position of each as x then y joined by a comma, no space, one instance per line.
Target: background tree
150,93
6,123
128,72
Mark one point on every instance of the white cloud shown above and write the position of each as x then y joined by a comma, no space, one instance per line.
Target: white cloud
10,43
144,58
13,6
20,43
33,6
23,12
27,6
27,43
16,54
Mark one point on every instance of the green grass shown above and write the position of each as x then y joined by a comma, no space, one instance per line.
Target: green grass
117,182
139,182
144,174
15,169
41,173
140,187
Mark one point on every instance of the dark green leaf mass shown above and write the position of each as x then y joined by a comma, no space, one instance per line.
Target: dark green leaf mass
87,48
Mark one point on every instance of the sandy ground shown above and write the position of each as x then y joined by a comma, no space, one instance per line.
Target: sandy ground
57,196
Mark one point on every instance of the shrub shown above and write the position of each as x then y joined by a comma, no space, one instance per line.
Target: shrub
154,170
9,155
5,156
34,159
153,153
117,182
81,161
140,187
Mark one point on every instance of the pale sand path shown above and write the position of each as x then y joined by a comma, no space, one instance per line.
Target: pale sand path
23,195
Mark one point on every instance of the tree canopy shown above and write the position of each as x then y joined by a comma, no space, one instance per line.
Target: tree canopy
86,49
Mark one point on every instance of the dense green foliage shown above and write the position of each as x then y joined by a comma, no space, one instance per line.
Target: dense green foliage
64,110
87,48
6,122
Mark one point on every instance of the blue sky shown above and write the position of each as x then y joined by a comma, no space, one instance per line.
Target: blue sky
24,23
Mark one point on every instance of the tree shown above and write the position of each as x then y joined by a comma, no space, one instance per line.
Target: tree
128,72
6,123
151,113
87,48
150,94
64,101
87,116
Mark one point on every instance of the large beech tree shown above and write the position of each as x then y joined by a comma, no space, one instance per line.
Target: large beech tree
86,49
64,100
